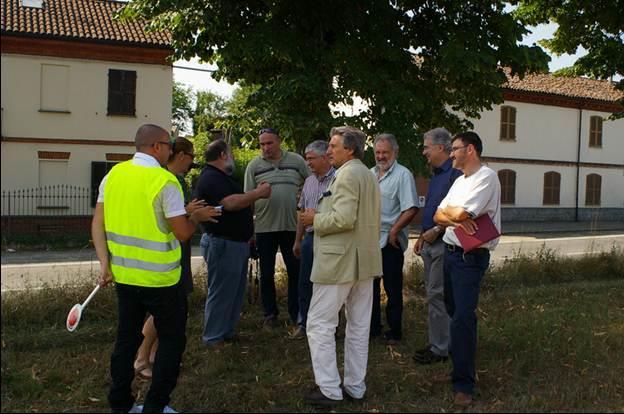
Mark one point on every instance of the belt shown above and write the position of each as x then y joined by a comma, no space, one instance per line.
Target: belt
457,249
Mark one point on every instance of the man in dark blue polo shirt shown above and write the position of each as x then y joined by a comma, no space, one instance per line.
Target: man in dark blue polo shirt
224,244
436,148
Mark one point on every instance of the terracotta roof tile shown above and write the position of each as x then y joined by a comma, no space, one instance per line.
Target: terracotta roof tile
78,19
584,88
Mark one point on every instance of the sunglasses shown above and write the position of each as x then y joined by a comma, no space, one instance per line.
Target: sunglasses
268,131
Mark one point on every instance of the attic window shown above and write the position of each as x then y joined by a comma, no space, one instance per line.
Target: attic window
35,4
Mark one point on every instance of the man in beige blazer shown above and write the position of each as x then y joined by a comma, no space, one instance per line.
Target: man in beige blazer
346,259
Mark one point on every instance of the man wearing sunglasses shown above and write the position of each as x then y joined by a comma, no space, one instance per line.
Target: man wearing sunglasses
138,219
276,218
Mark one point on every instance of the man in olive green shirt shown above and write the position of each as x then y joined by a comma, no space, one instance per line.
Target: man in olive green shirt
276,218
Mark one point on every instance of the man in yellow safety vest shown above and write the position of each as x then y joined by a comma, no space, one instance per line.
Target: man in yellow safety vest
138,221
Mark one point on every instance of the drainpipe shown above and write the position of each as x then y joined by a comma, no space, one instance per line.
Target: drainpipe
578,165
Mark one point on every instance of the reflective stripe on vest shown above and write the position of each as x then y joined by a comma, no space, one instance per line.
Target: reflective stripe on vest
141,253
140,264
145,244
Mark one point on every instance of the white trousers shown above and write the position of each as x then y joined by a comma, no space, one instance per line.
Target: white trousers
321,328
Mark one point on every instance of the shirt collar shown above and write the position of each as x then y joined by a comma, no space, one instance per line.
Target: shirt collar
147,159
328,174
388,172
444,167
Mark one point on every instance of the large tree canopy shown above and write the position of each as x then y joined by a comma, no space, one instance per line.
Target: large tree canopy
597,26
416,63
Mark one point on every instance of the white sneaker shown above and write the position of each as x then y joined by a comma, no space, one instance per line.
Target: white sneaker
136,408
168,409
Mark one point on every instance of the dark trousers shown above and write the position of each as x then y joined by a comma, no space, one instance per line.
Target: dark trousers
267,249
305,271
169,307
392,262
462,282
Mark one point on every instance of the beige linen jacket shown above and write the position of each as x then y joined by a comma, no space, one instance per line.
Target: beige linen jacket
347,226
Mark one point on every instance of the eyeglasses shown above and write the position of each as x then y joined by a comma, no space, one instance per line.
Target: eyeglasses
453,149
189,154
165,143
268,131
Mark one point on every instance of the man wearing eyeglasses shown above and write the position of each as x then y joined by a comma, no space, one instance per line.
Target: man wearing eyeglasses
313,188
276,218
473,194
431,248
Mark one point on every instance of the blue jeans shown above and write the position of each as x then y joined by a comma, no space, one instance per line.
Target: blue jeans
305,284
463,273
267,244
227,271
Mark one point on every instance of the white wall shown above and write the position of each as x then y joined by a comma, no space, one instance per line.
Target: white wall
551,133
20,163
530,184
546,132
87,99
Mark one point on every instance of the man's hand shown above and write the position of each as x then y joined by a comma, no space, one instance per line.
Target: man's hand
194,205
469,226
205,214
393,239
307,217
106,276
432,234
419,245
263,190
297,249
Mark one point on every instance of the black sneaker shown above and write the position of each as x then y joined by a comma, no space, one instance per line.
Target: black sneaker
316,397
422,351
429,358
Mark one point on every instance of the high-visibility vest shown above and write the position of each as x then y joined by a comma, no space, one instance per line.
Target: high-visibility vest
141,253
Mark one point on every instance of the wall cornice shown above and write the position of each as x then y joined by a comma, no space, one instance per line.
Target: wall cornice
552,162
540,98
85,50
68,141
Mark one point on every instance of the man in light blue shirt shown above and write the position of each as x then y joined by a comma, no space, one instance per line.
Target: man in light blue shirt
398,208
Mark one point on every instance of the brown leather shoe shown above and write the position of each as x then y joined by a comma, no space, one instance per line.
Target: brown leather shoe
462,400
299,333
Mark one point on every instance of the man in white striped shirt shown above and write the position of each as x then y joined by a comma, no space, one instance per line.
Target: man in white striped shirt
313,188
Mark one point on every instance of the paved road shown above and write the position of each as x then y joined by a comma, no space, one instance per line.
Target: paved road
35,270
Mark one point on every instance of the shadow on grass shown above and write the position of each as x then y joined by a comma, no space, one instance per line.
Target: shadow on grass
551,331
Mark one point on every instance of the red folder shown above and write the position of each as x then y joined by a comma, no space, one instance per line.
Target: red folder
486,231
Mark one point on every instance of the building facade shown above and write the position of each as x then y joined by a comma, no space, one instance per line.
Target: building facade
76,85
557,155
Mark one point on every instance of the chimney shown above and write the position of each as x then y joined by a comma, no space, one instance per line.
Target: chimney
35,4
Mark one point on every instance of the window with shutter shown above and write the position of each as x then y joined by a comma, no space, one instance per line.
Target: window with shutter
552,184
507,180
508,123
592,190
595,131
122,92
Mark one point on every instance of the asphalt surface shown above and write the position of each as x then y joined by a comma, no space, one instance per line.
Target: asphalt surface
38,269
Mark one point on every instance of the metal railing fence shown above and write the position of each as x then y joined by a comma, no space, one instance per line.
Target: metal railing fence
54,200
